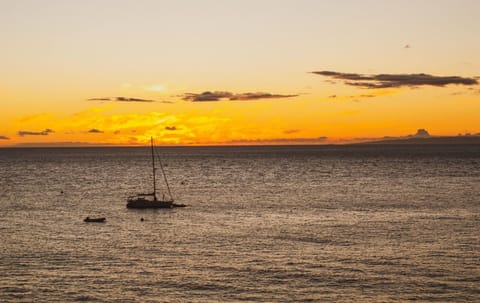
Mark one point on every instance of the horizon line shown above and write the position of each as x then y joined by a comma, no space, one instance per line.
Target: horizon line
359,141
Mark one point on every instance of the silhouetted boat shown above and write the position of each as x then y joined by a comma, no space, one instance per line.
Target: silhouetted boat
94,220
150,200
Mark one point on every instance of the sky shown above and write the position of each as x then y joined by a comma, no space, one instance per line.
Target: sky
201,72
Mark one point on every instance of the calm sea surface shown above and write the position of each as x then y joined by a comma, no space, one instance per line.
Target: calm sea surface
264,224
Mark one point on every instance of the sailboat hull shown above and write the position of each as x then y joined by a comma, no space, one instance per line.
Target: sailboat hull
145,204
94,220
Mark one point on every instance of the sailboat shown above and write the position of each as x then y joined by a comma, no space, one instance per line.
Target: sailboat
150,200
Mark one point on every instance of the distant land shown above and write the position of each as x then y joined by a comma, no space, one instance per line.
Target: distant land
423,137
429,140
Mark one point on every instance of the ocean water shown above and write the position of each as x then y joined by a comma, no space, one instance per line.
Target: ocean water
264,224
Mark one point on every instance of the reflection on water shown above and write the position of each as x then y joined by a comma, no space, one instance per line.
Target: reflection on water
265,224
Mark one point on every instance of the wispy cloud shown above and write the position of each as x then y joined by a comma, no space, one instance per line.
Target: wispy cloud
396,80
280,141
125,99
95,131
360,97
120,99
156,87
4,138
170,128
257,96
222,95
100,99
206,96
35,118
45,132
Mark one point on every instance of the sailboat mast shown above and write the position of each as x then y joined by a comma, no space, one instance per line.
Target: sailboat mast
153,167
164,176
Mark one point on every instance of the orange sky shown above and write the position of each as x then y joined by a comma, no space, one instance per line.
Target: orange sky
383,69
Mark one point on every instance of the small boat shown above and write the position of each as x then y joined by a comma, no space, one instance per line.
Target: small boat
94,220
150,200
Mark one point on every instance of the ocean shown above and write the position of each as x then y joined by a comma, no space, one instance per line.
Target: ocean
358,223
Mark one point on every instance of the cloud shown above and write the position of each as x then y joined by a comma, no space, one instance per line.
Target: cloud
95,131
395,80
367,96
360,97
156,88
36,118
47,131
170,127
257,96
207,96
291,131
99,99
281,141
124,99
120,99
219,95
4,138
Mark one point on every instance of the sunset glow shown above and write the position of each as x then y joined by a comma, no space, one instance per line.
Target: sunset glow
237,72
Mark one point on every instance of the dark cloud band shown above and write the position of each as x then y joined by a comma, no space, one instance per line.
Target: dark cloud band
395,80
95,131
120,99
4,138
23,133
219,95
